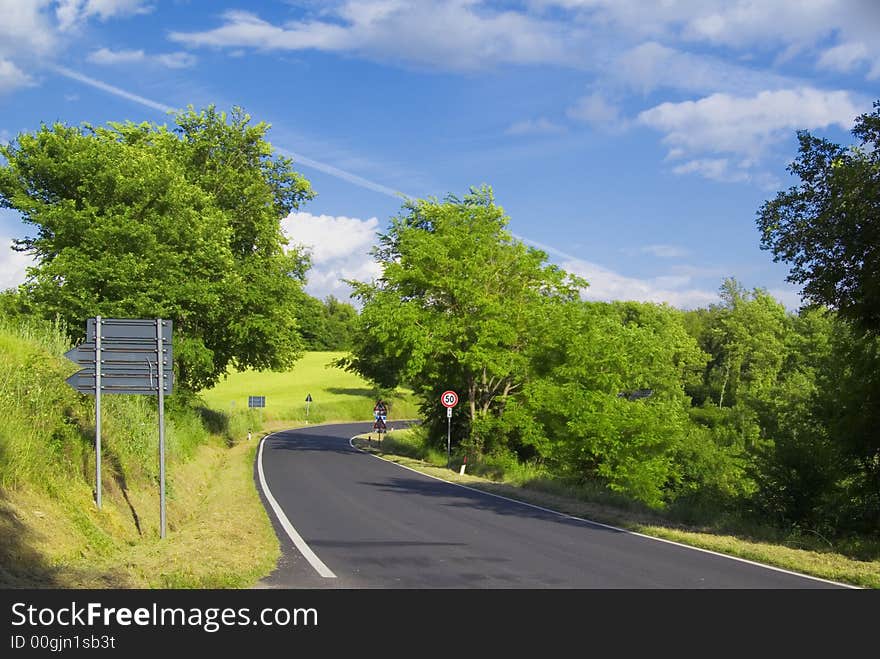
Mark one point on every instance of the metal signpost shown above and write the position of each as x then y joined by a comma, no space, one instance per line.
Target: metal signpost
119,356
256,401
449,400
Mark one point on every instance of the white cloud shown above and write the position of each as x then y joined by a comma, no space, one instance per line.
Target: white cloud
340,249
606,285
460,35
107,57
746,126
12,265
11,77
781,26
652,65
594,109
25,28
540,126
111,57
178,60
844,57
71,13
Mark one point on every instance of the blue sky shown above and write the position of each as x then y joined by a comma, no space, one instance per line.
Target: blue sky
634,141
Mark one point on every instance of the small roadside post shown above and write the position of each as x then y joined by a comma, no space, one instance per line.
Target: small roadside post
449,399
308,403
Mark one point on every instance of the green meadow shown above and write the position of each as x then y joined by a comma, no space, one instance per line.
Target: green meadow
336,394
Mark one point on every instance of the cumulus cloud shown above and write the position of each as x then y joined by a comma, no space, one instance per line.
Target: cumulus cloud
461,35
339,247
606,285
744,126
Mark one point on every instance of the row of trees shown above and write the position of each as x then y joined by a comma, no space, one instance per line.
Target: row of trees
752,408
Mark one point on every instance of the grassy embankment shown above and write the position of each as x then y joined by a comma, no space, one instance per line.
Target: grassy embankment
856,562
52,535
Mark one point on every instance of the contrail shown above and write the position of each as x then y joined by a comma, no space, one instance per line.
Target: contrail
301,159
110,89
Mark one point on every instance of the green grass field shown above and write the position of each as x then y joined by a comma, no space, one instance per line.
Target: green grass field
336,394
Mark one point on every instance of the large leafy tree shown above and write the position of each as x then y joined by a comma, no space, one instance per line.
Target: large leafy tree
457,306
595,354
139,220
828,226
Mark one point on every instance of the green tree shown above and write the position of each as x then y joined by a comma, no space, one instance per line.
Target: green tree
339,320
828,227
455,306
595,353
139,220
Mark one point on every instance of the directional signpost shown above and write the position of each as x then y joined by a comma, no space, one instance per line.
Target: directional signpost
449,400
256,401
125,356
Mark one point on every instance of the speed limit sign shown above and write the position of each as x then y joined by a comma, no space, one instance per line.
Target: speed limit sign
449,399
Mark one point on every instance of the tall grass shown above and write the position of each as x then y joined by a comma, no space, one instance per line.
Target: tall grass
47,429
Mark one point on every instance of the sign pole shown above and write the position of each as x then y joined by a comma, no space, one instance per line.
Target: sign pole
448,399
98,411
161,427
448,433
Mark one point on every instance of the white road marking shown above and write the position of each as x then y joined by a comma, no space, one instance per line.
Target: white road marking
301,544
608,526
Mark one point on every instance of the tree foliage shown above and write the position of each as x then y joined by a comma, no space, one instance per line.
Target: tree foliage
455,306
828,226
139,220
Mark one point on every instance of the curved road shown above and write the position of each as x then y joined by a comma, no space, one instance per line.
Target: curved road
347,519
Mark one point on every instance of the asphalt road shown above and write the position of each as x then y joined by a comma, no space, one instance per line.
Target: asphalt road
373,524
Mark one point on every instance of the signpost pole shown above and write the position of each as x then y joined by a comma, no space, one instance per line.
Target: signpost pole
160,371
448,434
98,411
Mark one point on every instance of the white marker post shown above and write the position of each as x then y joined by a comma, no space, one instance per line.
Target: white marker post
449,399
